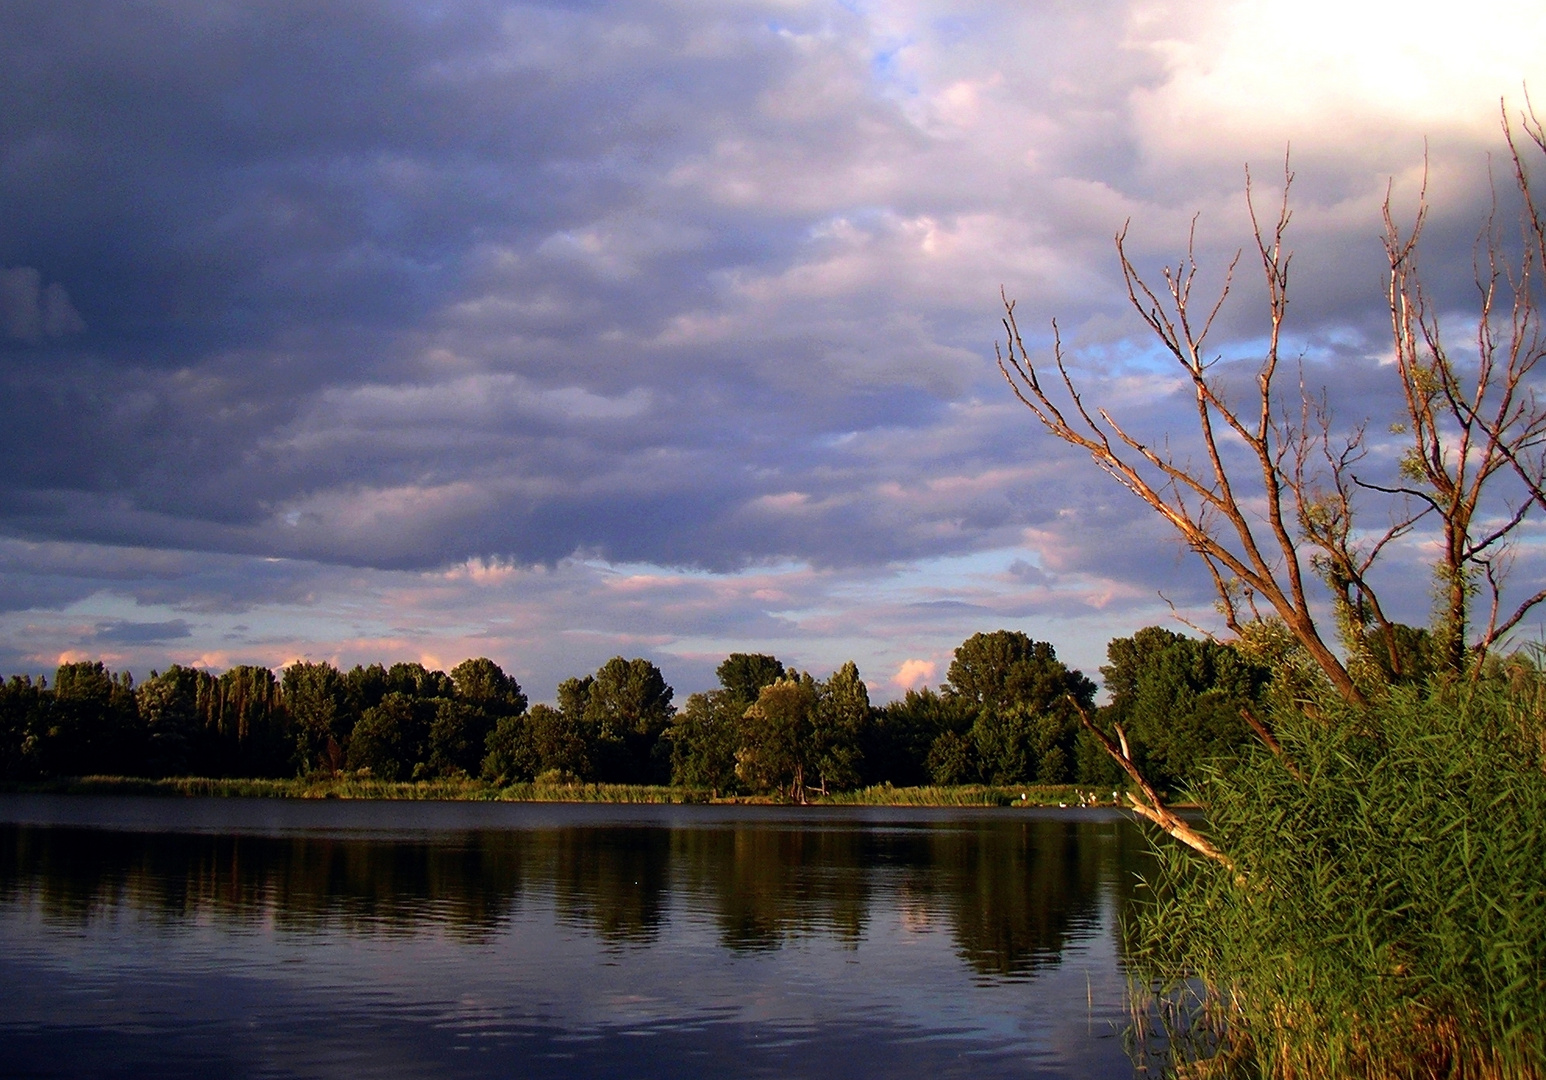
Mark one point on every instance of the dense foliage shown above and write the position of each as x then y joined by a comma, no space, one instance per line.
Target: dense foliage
1006,714
1179,700
1386,912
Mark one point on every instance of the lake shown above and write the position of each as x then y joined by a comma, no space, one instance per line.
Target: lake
243,937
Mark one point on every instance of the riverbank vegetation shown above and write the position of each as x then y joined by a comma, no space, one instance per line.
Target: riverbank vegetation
1368,898
470,790
1384,913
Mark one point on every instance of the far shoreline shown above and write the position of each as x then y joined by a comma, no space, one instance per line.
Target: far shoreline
452,790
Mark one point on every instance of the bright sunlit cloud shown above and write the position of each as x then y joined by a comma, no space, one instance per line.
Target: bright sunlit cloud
1251,76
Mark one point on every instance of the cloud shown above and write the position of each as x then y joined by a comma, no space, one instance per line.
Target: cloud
124,632
912,674
29,312
1350,79
676,319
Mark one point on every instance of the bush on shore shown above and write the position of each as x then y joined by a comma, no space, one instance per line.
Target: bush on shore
1386,914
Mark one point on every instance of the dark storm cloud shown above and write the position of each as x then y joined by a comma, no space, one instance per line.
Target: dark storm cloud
58,574
242,218
124,632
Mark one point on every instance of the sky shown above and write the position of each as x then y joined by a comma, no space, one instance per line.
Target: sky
549,332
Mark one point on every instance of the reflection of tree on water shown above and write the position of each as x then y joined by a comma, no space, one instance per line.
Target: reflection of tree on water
612,882
768,885
1015,893
359,885
1011,891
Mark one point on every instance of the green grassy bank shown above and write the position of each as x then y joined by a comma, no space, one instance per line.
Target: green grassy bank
481,791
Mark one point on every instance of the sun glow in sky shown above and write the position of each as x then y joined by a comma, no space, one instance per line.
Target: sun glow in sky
551,331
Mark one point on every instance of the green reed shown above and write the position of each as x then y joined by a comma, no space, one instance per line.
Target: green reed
1387,915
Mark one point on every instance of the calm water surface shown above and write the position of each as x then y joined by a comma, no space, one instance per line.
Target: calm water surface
233,937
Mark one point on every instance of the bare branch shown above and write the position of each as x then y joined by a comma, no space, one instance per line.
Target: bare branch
1151,806
1175,613
1272,744
1471,424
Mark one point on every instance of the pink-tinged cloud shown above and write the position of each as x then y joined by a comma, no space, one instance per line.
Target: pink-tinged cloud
914,673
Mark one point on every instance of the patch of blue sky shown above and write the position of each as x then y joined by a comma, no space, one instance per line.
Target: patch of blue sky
885,65
1325,343
1126,355
1143,353
873,219
955,27
950,572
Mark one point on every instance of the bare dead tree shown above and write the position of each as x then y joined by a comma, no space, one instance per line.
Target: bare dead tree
1269,527
1247,529
1473,424
1285,517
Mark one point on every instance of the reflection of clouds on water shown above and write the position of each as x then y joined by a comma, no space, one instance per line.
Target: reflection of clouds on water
913,914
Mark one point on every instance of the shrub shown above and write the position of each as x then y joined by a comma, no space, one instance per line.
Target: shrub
1387,914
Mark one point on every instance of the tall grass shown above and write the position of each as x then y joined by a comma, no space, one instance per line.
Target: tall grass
348,787
1388,918
344,787
960,795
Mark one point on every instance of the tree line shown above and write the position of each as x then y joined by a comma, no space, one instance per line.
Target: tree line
1008,712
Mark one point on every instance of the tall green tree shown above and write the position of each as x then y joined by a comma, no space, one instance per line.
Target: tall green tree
94,724
705,736
629,708
317,699
839,726
172,706
483,683
1006,668
461,730
542,743
1179,700
743,675
562,744
953,759
457,740
391,736
246,729
574,696
903,735
416,680
1026,702
364,687
1019,743
775,751
23,721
